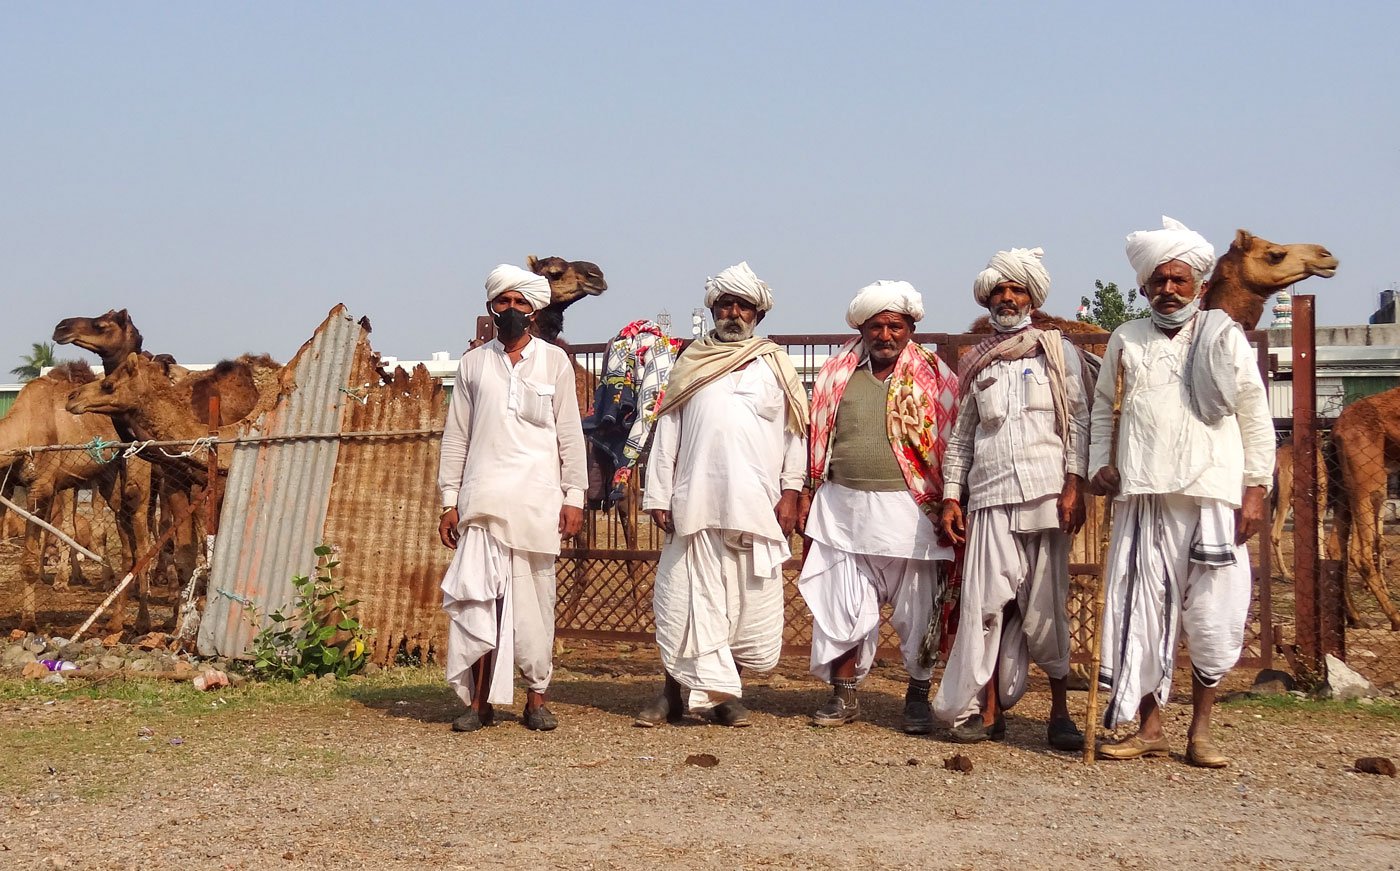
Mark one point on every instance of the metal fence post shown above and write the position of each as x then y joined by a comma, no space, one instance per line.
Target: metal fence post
1308,631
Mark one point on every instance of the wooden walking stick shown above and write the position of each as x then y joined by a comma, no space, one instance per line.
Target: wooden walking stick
1096,626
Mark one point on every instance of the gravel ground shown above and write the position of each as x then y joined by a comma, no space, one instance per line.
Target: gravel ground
366,772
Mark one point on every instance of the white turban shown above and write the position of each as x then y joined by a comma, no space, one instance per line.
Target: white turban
1021,265
899,297
1148,249
740,281
535,288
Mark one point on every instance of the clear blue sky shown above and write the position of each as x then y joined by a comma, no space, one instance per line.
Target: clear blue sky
228,172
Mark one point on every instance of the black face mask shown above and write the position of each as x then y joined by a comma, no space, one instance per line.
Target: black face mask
511,323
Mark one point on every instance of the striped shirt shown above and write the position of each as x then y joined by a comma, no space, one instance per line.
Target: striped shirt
1004,449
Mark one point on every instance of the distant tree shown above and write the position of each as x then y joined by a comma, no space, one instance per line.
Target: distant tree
1110,307
40,357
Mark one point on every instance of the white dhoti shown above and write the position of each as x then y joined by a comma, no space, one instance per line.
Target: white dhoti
498,598
869,549
718,603
845,591
1005,565
1172,566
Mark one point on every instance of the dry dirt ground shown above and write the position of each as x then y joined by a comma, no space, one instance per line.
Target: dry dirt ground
366,773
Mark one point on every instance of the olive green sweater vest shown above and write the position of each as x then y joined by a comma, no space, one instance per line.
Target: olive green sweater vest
861,456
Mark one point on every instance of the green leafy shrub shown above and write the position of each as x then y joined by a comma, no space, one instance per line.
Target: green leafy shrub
315,634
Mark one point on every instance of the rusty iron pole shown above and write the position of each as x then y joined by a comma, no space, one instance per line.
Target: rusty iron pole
1265,577
1308,634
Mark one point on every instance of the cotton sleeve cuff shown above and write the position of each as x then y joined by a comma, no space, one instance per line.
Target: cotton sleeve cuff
573,497
952,491
449,498
792,482
1265,481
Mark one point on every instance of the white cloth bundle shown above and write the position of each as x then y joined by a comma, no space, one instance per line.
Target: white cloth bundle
885,296
1021,265
535,288
741,281
1148,249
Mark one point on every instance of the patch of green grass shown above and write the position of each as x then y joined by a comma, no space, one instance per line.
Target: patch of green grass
1384,708
181,698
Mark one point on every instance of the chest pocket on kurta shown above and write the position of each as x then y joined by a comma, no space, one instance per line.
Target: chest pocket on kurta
761,394
536,403
991,402
1038,395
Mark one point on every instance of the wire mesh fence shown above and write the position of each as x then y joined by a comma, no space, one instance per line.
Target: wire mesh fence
113,502
89,529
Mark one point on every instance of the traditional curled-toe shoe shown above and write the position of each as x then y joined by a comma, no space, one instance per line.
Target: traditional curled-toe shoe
540,719
1202,754
468,722
836,712
1062,734
732,713
1134,748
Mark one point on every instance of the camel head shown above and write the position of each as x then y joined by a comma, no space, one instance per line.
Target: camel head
121,390
1265,268
1254,269
569,282
110,336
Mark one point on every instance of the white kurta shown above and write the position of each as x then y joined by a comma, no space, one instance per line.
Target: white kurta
1162,446
512,448
868,549
512,456
719,465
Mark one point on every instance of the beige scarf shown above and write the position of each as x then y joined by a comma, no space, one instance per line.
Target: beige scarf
709,358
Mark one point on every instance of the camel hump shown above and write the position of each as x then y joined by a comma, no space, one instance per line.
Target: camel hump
72,372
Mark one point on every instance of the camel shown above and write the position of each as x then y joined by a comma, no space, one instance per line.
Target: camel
569,282
1254,269
238,383
141,392
1042,320
38,418
1367,438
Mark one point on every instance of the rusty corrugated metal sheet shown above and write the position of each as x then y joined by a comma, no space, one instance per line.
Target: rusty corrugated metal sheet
383,510
276,494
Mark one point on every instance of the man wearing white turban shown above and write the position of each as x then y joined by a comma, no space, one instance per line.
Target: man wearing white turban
1190,481
512,475
722,482
881,412
1017,456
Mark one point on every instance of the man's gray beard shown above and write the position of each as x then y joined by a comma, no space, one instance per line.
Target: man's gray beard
1016,320
733,329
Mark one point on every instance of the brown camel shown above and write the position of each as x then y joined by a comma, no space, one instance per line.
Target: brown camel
38,418
1367,438
569,282
1254,269
141,392
238,383
1041,320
